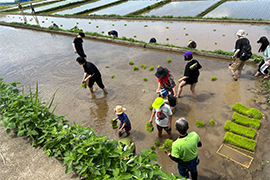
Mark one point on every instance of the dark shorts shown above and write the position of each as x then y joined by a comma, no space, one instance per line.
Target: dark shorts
191,80
127,128
185,167
165,128
96,79
81,53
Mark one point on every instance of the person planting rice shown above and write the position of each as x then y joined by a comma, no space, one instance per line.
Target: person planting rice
125,123
168,98
163,116
77,45
184,150
113,33
91,74
165,80
191,74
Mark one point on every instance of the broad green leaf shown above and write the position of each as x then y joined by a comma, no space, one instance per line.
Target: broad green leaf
115,172
20,133
153,157
83,169
126,176
34,132
124,166
8,131
146,151
69,169
11,125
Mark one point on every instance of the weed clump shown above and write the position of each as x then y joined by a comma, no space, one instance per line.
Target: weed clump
135,68
149,127
167,146
199,123
169,60
131,63
213,78
151,68
212,122
143,66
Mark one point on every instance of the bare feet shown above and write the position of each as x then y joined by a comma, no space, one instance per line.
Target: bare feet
257,74
234,77
266,77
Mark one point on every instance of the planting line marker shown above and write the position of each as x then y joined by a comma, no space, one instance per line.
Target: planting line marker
241,149
244,165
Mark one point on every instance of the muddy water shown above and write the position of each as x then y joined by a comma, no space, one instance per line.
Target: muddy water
178,33
30,57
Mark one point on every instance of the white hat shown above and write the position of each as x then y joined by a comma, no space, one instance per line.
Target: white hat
241,32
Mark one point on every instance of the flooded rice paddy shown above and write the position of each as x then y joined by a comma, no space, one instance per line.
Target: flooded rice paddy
30,57
181,8
208,35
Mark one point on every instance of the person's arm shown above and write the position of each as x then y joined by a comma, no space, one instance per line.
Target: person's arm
122,126
236,52
178,160
158,88
152,115
89,76
174,92
73,44
185,77
170,122
115,118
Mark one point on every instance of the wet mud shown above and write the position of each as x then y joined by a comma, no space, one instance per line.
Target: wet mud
48,59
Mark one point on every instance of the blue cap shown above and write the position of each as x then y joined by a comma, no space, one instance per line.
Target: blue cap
164,93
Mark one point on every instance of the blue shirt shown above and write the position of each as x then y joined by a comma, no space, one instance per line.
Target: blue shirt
123,118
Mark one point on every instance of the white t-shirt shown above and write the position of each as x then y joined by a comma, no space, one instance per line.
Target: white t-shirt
162,115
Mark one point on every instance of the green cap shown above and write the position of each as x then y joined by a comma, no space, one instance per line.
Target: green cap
158,102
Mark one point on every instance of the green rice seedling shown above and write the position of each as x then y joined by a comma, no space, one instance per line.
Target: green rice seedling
255,113
46,18
107,67
223,34
240,130
240,108
102,32
246,33
167,27
151,107
131,63
145,79
228,157
213,78
112,24
113,122
214,30
239,141
158,66
145,25
125,24
13,16
52,21
61,25
89,22
143,66
184,28
143,90
135,68
134,36
245,121
151,68
157,143
186,34
199,123
115,127
42,21
153,148
167,39
167,146
169,60
215,43
212,122
83,85
112,76
96,26
149,127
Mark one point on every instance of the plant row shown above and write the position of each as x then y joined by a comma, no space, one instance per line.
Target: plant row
245,121
240,130
239,141
255,113
79,148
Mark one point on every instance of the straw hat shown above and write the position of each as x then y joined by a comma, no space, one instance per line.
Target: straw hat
119,110
241,32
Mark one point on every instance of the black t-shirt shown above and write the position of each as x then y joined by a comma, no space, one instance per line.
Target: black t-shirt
192,69
239,45
78,43
90,69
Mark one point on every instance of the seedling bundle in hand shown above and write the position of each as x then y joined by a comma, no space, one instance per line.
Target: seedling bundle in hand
114,124
167,146
149,127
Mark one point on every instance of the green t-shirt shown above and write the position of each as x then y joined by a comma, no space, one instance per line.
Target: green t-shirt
186,148
125,144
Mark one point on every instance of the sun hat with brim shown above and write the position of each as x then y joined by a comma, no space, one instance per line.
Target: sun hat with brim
158,102
161,72
119,110
241,32
188,53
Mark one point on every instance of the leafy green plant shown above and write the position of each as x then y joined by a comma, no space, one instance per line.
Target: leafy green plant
112,76
167,146
112,24
213,78
239,141
245,121
157,143
151,68
135,68
184,28
131,62
102,32
169,60
153,148
145,79
143,66
212,122
149,127
240,130
223,34
151,107
199,123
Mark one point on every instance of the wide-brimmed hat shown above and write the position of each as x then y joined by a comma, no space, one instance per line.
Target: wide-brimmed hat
241,32
119,110
161,72
158,102
188,53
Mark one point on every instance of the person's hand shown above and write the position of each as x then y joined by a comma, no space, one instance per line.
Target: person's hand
83,81
232,57
179,80
75,51
150,121
168,153
158,91
169,126
120,130
267,63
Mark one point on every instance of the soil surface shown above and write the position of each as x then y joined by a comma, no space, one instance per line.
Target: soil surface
29,57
